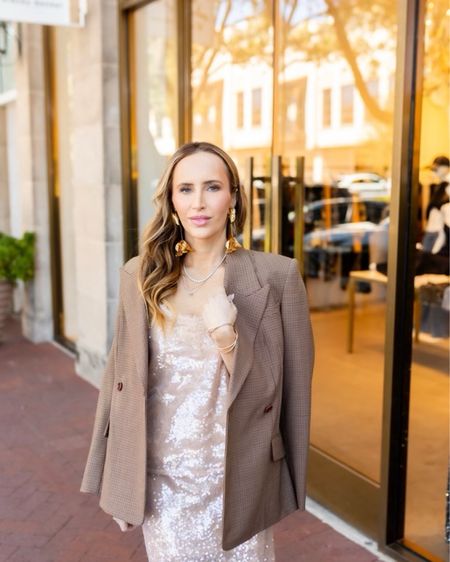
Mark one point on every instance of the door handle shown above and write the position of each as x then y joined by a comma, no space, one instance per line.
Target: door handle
279,182
273,195
276,204
299,203
250,180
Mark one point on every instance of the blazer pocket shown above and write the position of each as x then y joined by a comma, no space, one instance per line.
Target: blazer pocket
278,451
106,431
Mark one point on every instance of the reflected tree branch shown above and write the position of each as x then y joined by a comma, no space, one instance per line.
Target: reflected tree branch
369,101
218,35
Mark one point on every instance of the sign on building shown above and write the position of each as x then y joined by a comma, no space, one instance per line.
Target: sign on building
46,12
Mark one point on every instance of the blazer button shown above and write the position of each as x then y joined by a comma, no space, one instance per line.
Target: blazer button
268,408
119,386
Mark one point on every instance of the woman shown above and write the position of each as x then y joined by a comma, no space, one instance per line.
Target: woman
202,423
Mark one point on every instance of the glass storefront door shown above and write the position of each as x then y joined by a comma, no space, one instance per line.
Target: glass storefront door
301,95
300,79
335,70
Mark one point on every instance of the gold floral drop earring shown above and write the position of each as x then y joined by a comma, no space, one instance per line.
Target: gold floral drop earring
181,247
231,245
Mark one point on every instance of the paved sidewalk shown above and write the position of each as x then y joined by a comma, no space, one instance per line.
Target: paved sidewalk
46,416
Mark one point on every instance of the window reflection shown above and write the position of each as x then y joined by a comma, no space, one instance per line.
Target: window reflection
347,104
232,56
326,108
345,59
256,107
153,97
330,97
333,105
240,110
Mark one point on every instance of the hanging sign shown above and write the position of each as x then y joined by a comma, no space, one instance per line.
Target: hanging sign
46,12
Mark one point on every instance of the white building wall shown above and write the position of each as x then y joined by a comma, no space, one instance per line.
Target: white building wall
37,321
96,182
95,162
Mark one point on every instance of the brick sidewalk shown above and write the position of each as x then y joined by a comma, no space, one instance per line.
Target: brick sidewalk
46,416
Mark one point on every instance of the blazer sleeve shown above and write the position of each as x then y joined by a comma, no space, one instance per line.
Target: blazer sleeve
93,472
298,363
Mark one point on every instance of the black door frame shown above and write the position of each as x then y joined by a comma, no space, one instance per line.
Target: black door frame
399,320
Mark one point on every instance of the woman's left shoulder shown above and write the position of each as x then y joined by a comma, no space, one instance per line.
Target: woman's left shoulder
270,261
271,268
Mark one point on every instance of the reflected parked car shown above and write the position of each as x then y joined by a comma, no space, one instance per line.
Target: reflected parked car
338,234
364,183
339,211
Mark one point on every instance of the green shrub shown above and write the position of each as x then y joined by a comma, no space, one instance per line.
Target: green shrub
17,257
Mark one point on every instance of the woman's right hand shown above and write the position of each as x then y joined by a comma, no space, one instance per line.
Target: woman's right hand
219,309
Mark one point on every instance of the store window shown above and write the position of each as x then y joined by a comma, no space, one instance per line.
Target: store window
256,107
347,192
263,86
294,108
372,88
326,108
154,97
347,104
240,110
223,59
346,183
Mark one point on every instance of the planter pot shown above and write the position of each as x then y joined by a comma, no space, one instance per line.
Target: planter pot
6,293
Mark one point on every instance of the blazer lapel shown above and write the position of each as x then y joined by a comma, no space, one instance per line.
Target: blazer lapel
250,299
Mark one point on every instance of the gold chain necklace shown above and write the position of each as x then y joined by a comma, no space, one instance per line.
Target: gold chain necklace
189,291
215,268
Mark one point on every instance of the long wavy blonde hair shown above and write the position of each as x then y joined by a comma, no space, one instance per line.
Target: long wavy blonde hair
160,269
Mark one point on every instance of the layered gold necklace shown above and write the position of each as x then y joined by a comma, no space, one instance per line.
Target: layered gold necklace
199,282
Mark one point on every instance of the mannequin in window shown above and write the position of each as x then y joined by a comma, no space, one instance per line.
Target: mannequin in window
433,254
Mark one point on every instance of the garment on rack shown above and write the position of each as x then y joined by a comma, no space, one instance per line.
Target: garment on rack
434,317
435,255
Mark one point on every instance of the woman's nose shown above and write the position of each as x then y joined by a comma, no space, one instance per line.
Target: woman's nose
198,202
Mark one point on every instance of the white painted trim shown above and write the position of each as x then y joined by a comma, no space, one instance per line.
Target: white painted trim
8,97
345,529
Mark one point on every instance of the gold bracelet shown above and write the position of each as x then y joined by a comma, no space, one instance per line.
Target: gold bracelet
231,346
211,330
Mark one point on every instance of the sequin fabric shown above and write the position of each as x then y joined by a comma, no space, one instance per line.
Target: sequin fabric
186,447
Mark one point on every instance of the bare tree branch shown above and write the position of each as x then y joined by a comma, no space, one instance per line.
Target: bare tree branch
215,49
369,101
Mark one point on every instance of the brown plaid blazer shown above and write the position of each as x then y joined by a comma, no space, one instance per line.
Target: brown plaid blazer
269,393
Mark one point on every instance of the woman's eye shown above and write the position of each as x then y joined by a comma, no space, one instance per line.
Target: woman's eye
211,187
